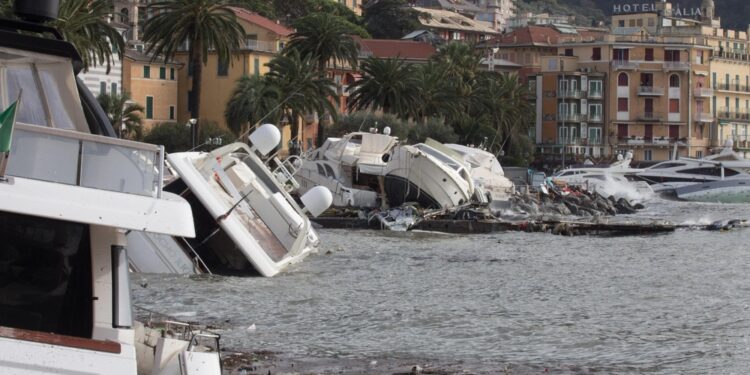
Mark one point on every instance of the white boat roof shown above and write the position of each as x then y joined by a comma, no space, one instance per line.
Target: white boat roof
168,215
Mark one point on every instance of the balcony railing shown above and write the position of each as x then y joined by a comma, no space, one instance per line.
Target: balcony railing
650,91
650,116
726,114
624,65
574,94
647,141
86,160
571,117
702,92
261,45
676,65
595,94
703,117
722,86
596,117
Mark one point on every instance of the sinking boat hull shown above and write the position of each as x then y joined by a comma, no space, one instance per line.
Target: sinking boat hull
725,191
400,190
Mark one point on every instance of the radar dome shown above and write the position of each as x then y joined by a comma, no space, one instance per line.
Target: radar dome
317,200
265,138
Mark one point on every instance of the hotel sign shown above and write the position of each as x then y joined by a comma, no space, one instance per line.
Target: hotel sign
676,11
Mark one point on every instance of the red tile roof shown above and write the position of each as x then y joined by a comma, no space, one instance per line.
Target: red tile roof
261,21
529,35
405,49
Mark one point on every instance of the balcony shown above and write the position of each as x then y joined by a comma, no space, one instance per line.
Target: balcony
595,94
636,141
596,117
650,116
702,92
723,86
86,160
703,117
569,94
676,66
624,65
260,45
726,114
571,117
650,91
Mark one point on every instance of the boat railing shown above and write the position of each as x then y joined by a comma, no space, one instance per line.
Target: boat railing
285,171
86,160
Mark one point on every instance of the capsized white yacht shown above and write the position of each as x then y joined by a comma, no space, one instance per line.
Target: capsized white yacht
486,171
351,167
427,176
246,221
735,190
672,174
69,194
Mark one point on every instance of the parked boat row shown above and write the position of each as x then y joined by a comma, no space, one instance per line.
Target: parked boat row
369,170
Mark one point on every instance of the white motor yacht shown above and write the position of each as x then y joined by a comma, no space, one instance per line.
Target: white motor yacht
720,191
246,221
351,167
672,174
427,176
70,193
610,180
486,171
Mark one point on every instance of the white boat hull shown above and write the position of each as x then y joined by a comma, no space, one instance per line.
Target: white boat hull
726,191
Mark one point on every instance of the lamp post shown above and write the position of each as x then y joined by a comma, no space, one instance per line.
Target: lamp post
193,132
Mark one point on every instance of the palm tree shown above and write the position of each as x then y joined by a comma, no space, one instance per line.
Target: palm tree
123,113
83,23
387,84
254,99
462,65
203,24
506,102
436,95
324,37
303,91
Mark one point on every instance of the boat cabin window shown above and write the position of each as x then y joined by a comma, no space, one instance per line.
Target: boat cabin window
321,171
49,96
45,275
329,171
709,171
668,165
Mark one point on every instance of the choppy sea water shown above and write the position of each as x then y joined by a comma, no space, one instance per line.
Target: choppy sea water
668,303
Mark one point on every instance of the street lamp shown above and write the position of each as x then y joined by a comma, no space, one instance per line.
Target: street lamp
193,132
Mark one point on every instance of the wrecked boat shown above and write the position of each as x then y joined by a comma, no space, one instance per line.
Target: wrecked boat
486,171
246,222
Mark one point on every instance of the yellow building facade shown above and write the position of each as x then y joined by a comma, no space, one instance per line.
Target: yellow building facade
153,85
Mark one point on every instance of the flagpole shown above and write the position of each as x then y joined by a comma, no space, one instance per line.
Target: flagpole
6,153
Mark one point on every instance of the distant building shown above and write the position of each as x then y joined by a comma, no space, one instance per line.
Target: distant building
492,13
452,26
538,19
153,85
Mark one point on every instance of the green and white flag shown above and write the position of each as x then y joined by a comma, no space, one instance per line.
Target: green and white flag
7,119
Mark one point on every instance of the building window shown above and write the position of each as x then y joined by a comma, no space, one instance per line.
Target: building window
671,55
149,107
595,87
713,80
647,155
651,22
622,80
649,54
621,54
622,130
674,105
146,72
223,68
737,82
114,88
674,80
103,88
171,74
171,112
621,23
256,66
456,35
622,104
568,52
699,154
726,82
596,54
647,79
162,72
648,131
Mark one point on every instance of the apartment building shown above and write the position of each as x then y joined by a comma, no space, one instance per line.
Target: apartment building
153,85
671,85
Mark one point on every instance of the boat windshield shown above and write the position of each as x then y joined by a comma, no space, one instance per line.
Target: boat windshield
668,165
440,156
47,86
